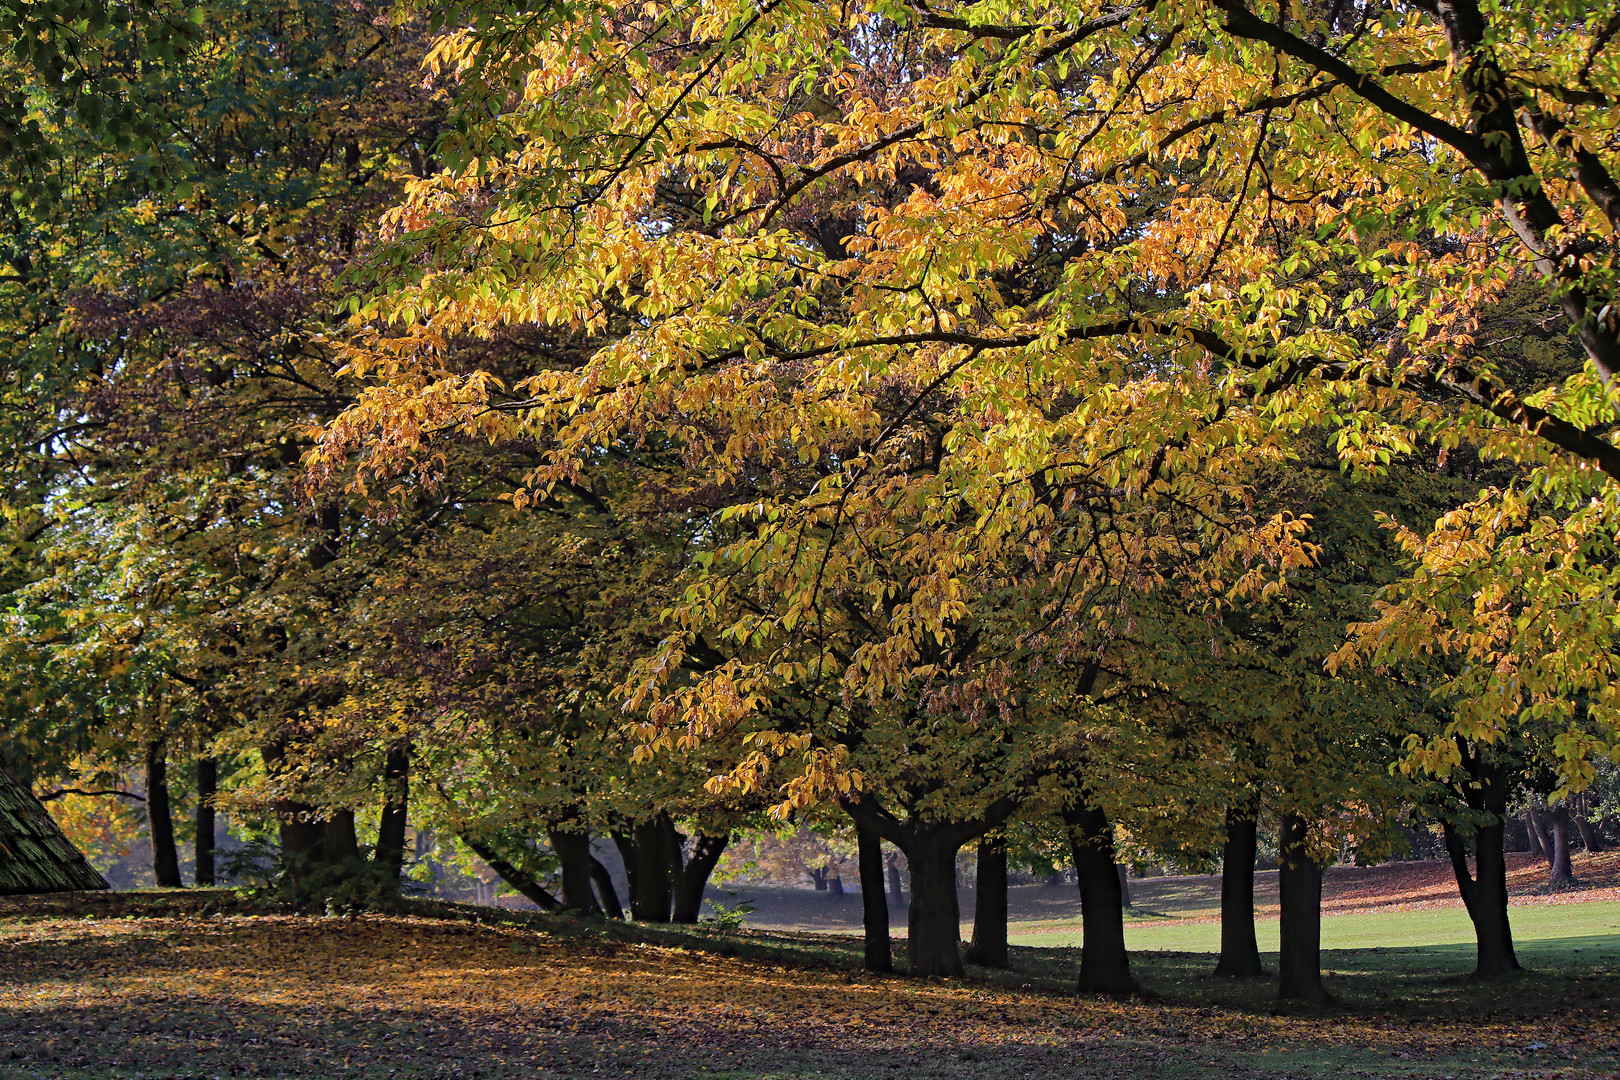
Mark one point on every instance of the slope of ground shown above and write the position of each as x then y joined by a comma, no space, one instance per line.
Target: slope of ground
171,997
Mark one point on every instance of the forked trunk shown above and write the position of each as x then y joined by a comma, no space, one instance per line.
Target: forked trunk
1299,892
934,920
1538,835
874,906
1561,869
207,788
1105,966
692,876
989,945
1240,952
1583,822
160,817
1484,891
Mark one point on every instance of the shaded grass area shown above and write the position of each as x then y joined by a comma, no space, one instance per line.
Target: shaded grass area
199,989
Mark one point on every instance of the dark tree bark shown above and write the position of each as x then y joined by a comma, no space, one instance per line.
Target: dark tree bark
341,846
818,878
874,906
1561,869
1105,966
1538,835
934,919
835,885
989,945
650,888
1240,952
207,788
1124,884
160,817
514,877
573,851
693,875
897,893
1583,822
606,895
390,850
1484,891
1299,892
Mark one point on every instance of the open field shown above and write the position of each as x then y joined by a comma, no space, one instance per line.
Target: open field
187,986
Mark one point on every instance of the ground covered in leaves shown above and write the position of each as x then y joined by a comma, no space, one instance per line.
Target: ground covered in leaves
193,987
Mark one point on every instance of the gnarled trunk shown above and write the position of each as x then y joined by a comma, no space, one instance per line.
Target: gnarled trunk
160,817
203,847
989,945
1105,966
1240,952
934,920
1299,893
874,906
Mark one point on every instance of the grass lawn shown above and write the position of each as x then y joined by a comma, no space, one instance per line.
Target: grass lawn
187,987
1541,931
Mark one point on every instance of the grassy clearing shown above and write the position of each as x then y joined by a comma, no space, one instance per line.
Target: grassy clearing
193,991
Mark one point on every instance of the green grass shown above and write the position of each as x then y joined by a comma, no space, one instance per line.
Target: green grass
1535,927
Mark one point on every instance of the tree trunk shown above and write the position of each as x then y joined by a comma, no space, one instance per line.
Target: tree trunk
1484,892
1561,870
207,788
693,877
341,845
573,851
1124,885
1105,966
1240,952
160,817
835,885
1589,836
818,878
607,897
934,920
897,895
1299,892
650,892
1538,834
989,945
874,906
396,804
514,877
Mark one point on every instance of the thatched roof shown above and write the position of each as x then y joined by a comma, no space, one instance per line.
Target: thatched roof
34,855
